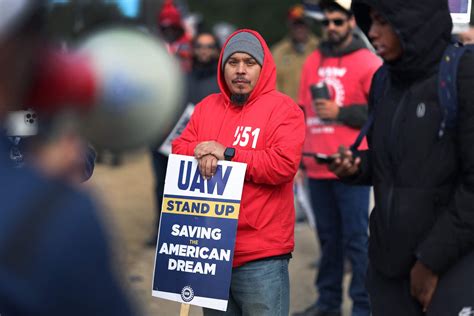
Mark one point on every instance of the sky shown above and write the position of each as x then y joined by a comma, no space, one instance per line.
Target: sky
129,8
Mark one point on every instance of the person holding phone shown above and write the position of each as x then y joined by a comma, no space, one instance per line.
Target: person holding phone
334,90
422,227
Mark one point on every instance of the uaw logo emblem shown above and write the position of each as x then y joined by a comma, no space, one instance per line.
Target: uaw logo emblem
187,293
421,110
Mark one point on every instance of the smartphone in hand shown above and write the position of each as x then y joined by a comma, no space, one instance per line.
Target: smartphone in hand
320,158
319,91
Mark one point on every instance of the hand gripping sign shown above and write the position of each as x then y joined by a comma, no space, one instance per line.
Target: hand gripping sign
196,239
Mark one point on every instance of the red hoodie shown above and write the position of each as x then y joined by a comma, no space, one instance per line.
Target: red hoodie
268,135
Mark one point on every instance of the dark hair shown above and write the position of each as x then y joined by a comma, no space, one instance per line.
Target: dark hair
334,7
214,37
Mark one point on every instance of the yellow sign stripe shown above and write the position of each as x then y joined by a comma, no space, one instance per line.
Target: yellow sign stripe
201,208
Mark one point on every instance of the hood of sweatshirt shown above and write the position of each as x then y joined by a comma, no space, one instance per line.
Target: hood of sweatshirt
423,27
267,80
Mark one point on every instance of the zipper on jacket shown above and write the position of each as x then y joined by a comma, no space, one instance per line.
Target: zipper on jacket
393,135
394,164
388,218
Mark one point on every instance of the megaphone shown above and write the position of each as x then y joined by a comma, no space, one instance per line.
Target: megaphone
124,82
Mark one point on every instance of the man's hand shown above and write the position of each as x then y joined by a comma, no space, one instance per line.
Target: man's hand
326,109
209,148
467,37
61,157
207,166
423,283
299,176
344,165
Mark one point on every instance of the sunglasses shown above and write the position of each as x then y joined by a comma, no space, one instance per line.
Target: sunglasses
208,46
336,22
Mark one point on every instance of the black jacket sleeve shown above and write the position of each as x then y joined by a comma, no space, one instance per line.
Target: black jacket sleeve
453,234
364,176
353,116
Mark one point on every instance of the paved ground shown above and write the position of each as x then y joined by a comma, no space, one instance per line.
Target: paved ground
126,192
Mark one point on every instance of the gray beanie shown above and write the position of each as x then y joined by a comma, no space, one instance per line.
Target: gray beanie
244,42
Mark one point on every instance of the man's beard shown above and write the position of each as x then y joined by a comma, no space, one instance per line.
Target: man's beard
239,98
340,39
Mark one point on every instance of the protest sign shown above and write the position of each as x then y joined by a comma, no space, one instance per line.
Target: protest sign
196,240
165,148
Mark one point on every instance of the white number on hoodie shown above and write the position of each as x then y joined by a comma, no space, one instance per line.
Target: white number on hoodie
243,134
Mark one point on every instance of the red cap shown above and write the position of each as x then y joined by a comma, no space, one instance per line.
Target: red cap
169,14
296,13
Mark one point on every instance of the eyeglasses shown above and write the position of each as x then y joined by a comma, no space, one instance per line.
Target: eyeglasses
208,46
336,22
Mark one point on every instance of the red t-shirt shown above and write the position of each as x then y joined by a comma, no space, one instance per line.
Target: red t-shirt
348,79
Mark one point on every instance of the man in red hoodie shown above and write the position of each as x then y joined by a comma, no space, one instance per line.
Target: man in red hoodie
250,122
345,66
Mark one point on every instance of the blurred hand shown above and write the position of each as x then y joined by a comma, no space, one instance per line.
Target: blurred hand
62,157
467,37
209,148
423,283
326,109
207,166
344,164
299,177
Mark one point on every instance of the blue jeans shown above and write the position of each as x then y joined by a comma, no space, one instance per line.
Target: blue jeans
342,213
260,288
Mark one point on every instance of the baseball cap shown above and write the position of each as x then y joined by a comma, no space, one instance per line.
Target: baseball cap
343,4
296,13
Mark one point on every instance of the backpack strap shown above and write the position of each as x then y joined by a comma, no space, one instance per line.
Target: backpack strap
378,86
447,91
447,85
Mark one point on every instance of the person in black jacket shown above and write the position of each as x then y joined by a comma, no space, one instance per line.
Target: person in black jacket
423,221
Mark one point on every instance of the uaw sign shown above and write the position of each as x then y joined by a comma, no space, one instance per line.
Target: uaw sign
196,240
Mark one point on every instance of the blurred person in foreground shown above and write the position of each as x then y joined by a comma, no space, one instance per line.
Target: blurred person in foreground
345,66
291,52
54,256
423,221
201,82
251,122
